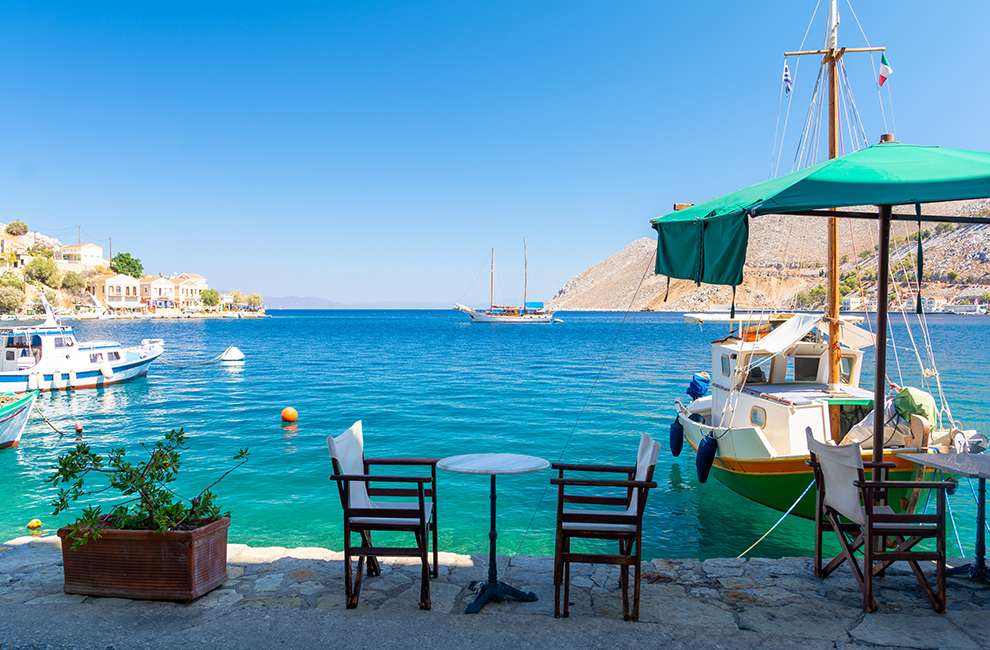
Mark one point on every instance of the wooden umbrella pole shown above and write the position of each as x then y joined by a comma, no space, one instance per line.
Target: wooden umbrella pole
880,386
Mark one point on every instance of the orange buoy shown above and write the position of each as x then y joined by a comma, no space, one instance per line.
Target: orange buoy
78,426
34,523
289,414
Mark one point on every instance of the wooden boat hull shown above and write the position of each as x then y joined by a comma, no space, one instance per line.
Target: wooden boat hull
13,418
778,482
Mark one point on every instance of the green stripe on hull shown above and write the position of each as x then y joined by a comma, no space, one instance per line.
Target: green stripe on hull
779,491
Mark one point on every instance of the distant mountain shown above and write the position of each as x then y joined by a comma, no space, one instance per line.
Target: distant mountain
311,302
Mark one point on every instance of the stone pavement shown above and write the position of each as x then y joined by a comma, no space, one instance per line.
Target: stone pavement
276,595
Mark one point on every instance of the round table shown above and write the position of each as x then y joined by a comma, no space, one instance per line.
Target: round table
494,464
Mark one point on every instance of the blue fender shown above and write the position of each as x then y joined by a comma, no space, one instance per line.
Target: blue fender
706,456
676,436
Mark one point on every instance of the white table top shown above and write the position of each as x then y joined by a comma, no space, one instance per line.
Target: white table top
493,464
969,465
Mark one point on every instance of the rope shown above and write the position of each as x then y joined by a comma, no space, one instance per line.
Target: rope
588,398
38,408
976,499
952,520
193,365
793,505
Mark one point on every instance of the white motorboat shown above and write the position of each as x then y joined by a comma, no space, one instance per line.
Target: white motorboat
48,357
15,410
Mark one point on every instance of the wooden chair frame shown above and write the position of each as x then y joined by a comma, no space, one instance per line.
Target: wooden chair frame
420,520
882,524
630,541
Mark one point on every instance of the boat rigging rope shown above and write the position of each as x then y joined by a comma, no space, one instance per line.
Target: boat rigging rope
192,365
584,406
38,409
787,115
793,505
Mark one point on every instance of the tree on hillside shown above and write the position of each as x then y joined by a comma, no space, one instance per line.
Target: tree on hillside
953,276
43,270
17,228
73,281
11,299
210,297
11,279
53,298
254,300
124,263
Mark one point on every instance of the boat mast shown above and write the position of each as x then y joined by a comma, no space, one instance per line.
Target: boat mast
525,275
830,57
491,302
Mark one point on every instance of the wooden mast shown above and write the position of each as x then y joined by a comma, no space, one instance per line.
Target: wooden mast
830,57
492,301
525,275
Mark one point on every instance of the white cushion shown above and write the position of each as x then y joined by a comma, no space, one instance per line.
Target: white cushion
377,521
348,450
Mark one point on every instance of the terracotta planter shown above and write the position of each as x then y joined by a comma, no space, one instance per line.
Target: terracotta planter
179,565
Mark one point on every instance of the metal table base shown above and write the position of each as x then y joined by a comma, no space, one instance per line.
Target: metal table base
494,589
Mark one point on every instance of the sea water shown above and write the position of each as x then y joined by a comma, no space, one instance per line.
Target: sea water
432,384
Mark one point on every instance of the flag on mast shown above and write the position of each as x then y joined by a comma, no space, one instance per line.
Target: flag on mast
885,69
787,79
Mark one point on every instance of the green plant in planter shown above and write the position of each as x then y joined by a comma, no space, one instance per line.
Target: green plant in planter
152,504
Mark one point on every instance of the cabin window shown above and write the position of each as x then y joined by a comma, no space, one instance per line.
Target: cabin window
725,365
59,342
115,355
758,417
10,355
846,365
94,358
806,368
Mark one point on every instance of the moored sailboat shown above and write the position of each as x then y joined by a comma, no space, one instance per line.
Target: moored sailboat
528,313
777,375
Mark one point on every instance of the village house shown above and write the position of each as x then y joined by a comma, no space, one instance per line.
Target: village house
116,291
188,288
157,292
86,254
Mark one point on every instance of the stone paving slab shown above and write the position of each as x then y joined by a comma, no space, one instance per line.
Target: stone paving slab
685,602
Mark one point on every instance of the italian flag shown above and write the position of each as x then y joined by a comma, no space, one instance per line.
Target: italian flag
885,69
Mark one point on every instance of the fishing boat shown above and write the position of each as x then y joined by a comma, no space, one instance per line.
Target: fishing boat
48,357
775,376
15,410
528,313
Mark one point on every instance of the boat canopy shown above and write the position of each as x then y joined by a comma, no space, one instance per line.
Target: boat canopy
889,173
798,326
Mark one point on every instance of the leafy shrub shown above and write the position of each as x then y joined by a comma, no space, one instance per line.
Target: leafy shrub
17,228
10,279
124,263
43,270
73,281
11,299
210,297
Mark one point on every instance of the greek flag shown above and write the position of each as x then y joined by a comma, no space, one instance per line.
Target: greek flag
787,79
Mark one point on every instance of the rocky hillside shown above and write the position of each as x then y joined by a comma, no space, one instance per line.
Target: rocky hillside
785,258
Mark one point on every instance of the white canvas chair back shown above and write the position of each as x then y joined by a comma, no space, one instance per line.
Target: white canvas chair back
348,450
646,458
841,466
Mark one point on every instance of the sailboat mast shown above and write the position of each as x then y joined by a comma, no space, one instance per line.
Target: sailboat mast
525,274
492,301
834,355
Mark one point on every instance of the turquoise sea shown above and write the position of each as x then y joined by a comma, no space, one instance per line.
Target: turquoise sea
431,384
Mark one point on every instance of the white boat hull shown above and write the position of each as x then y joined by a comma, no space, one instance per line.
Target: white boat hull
90,377
479,317
12,422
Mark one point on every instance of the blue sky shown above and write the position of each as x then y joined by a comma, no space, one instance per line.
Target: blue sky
377,151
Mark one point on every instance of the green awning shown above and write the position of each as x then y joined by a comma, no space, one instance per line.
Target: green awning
707,241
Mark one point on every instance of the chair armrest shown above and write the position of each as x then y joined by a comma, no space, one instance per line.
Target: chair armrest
368,478
401,461
881,464
593,468
905,485
602,483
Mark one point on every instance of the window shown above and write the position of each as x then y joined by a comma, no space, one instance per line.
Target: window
758,417
10,355
806,368
115,356
725,365
846,369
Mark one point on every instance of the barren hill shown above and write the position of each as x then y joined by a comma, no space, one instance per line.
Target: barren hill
785,257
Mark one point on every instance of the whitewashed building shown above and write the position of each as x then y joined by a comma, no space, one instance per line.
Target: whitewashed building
116,291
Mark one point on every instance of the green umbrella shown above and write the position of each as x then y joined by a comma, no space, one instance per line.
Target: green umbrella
707,241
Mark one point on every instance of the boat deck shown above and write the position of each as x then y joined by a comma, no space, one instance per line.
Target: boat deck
808,394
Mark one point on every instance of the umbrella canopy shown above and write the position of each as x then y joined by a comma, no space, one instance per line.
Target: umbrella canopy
707,241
